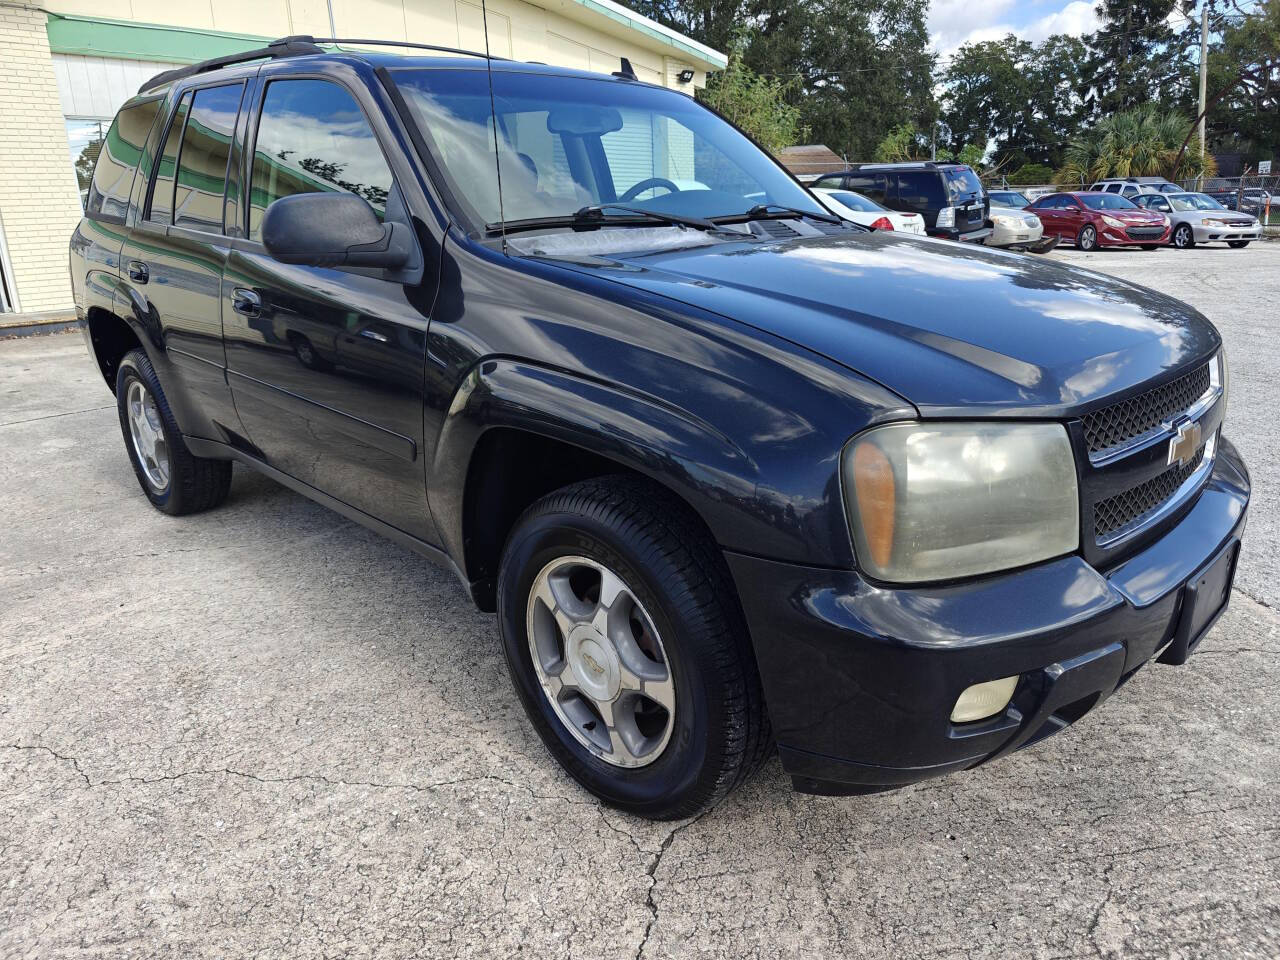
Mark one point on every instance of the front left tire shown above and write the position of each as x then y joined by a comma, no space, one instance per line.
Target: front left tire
628,649
173,478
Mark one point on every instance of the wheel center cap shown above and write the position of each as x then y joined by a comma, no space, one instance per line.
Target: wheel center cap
594,663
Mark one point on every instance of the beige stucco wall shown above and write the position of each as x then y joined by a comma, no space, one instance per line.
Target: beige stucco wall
39,198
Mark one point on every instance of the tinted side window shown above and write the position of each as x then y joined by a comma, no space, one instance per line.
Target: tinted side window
313,137
118,161
201,180
871,185
161,209
921,191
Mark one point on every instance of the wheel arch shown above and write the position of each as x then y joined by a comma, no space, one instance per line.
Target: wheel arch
516,431
110,337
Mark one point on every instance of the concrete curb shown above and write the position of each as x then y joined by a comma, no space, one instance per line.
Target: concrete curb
35,324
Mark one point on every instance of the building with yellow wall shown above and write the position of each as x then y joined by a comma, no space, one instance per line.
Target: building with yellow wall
66,66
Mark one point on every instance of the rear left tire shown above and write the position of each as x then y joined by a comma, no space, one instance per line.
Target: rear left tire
174,479
628,649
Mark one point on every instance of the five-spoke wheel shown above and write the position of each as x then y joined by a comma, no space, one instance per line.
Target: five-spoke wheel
600,661
148,435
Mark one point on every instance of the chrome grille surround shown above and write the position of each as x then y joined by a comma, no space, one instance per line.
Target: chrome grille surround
1114,429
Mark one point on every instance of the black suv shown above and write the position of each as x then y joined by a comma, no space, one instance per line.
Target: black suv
948,195
731,472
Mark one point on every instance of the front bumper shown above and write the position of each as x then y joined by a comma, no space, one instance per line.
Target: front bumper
1024,235
1115,237
861,678
1211,234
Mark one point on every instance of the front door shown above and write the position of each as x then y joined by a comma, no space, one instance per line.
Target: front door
327,365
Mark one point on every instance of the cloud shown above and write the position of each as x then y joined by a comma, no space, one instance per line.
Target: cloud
953,23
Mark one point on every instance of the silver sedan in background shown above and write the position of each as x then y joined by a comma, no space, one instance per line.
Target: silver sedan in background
1198,218
1013,227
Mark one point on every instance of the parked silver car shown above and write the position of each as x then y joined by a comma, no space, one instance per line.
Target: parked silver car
1198,218
1013,227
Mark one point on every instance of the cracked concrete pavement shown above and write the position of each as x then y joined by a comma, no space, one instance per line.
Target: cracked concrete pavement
266,732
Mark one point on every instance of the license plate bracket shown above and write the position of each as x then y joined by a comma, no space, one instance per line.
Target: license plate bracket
1204,599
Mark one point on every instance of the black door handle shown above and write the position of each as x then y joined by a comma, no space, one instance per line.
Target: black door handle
138,271
246,302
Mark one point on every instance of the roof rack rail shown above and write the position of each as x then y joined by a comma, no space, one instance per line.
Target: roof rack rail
407,43
295,46
298,46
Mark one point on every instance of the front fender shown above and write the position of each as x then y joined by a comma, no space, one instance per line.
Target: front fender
689,456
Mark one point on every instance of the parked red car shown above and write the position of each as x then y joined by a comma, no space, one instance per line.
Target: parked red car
1091,220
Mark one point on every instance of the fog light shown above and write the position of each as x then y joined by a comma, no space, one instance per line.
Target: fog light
983,700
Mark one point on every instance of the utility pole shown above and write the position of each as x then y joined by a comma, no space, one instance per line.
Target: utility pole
1204,78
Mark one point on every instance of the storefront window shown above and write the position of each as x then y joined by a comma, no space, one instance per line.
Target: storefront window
85,137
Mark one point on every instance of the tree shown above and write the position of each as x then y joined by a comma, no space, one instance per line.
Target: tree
1135,55
1145,141
859,67
1025,98
756,104
1244,68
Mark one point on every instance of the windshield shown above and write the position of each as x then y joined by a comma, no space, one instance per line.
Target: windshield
1010,198
569,142
961,181
854,201
1194,201
1106,201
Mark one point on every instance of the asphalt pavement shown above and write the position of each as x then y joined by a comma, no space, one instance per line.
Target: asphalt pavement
266,732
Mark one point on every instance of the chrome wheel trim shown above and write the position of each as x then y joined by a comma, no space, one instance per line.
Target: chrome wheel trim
600,661
147,432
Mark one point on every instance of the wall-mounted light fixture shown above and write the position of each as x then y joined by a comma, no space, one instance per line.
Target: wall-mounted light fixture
685,76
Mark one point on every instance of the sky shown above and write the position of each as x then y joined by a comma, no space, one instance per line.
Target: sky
954,22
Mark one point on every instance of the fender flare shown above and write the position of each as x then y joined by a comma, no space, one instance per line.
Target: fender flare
683,453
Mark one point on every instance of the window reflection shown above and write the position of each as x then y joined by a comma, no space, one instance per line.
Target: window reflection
313,137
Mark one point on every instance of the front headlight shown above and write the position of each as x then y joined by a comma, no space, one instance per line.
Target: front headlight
933,501
1113,222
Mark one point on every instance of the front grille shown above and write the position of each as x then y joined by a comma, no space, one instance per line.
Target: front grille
1144,233
1129,419
1116,513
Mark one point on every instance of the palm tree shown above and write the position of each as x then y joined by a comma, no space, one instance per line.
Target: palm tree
1142,142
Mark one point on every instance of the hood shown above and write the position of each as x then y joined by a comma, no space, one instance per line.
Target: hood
954,328
1134,216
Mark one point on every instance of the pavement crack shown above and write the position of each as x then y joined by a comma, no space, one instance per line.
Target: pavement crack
651,871
57,756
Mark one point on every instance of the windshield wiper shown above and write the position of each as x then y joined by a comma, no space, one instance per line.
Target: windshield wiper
763,211
593,215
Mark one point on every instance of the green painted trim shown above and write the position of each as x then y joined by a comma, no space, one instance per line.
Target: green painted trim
719,59
97,37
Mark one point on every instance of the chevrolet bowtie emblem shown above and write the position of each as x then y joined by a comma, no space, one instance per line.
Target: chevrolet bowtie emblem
1183,447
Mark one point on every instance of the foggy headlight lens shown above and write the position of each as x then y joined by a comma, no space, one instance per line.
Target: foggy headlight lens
943,500
1113,222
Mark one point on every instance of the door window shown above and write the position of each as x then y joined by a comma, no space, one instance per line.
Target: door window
201,180
161,210
117,161
313,138
870,185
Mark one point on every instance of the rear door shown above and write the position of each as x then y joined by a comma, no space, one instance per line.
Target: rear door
173,259
327,365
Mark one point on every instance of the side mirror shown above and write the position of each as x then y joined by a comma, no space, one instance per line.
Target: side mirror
333,230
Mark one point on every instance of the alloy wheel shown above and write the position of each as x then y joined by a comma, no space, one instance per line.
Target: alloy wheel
1182,237
147,433
600,661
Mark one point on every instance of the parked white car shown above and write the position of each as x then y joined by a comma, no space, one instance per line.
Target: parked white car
854,206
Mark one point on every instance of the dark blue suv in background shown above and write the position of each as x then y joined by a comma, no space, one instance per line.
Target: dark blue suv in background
733,473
